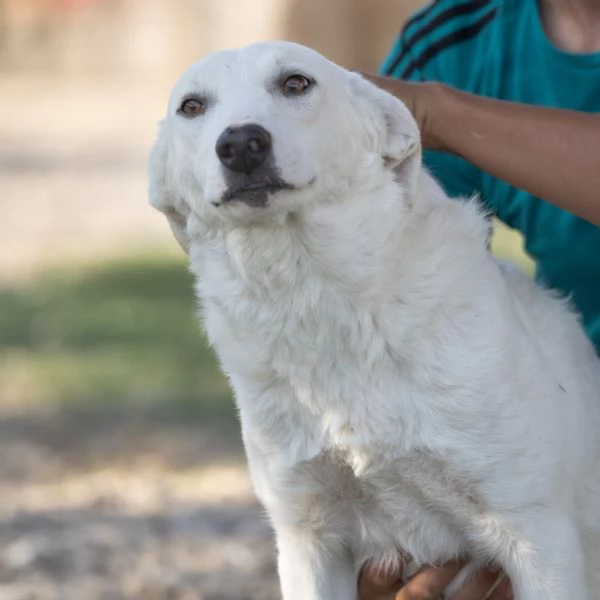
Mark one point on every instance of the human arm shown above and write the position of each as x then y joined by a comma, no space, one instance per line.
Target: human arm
553,154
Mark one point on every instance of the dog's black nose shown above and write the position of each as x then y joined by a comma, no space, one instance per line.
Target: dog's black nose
243,148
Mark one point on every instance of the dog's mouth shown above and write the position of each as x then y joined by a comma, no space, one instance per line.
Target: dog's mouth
255,194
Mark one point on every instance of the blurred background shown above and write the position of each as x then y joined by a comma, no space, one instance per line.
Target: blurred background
121,469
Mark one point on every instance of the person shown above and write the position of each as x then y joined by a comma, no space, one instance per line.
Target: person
507,95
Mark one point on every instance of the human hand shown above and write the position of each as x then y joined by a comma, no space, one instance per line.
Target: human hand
420,99
430,583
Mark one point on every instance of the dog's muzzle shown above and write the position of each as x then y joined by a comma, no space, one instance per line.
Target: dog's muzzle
249,165
245,148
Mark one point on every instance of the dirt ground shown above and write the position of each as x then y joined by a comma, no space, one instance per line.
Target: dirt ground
114,508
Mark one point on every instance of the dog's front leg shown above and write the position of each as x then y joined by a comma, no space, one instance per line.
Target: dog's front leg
544,560
314,568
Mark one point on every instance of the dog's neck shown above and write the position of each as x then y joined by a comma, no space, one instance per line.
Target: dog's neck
352,247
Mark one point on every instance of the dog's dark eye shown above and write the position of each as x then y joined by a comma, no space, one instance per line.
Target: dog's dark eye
192,107
296,85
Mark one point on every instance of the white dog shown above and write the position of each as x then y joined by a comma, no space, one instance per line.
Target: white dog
399,389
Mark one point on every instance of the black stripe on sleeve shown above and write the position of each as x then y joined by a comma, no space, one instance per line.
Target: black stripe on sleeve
420,16
412,21
456,37
458,10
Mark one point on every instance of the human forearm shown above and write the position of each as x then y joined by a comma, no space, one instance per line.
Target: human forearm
552,154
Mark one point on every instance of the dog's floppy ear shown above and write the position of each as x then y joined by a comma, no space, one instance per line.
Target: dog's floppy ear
395,127
160,190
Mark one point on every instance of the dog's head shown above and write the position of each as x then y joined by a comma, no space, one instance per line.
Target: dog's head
271,129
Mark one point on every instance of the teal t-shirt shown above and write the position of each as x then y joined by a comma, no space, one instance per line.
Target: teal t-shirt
498,48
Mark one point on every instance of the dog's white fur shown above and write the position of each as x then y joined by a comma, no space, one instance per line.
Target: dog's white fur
398,388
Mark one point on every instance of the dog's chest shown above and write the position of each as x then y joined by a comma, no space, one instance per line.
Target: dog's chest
281,322
321,388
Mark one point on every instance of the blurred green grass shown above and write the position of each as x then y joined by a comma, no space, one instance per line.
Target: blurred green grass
112,336
122,335
508,244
